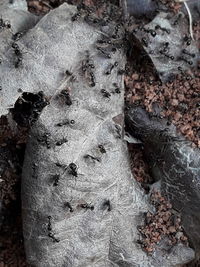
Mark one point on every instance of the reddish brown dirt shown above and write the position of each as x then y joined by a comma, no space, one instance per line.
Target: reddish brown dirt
139,167
43,7
162,224
179,99
171,4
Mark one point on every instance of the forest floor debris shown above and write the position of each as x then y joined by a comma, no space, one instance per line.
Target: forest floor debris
180,99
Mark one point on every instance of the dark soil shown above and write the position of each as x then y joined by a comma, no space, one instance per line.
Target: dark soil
12,147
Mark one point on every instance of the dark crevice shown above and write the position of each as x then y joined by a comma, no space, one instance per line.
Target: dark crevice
27,108
12,149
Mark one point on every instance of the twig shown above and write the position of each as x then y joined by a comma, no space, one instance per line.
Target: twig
190,20
190,17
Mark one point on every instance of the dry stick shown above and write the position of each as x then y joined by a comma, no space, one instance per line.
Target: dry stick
190,17
190,20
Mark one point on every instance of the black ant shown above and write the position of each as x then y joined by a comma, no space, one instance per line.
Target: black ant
76,16
110,68
177,20
145,42
188,78
87,62
121,72
153,33
87,156
87,66
92,79
195,24
102,22
84,7
17,36
166,47
61,142
114,49
47,141
68,205
118,131
60,124
44,140
73,169
87,206
140,242
81,6
88,19
56,178
184,51
68,73
189,62
117,89
72,121
49,227
94,20
18,62
52,235
104,42
116,35
5,24
145,30
18,53
103,52
102,149
107,205
110,44
187,40
34,167
166,55
105,93
157,27
67,99
180,69
1,23
60,165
